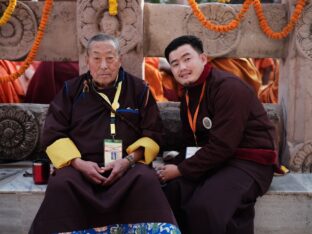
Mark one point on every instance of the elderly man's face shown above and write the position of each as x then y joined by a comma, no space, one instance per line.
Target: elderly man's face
104,62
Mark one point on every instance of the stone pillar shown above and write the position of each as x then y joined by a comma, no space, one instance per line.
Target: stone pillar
295,91
127,26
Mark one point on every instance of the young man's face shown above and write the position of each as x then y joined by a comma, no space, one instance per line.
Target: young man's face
103,62
186,64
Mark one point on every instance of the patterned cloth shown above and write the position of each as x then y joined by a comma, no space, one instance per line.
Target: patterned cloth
138,228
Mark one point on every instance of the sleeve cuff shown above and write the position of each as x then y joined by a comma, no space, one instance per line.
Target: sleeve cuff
62,151
151,149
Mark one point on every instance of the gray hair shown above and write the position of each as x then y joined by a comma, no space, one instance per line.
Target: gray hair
103,37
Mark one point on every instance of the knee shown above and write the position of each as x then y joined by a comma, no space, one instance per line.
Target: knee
210,212
146,174
60,181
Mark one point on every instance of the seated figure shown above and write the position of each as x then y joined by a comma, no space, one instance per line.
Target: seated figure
105,116
230,151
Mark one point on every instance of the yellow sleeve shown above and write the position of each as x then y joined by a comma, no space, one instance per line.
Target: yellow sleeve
62,151
151,149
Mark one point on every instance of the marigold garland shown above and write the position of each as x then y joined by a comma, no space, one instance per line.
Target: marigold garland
8,12
112,7
261,18
287,29
33,51
220,28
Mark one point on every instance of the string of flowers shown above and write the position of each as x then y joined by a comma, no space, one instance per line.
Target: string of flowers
220,28
33,51
8,12
112,7
287,29
259,12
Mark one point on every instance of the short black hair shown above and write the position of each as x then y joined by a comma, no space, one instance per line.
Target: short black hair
193,41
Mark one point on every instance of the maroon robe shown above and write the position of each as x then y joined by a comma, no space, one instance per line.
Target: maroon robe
217,190
48,80
71,201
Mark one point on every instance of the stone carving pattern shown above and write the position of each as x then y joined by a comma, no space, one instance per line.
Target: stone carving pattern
304,33
301,157
94,18
17,36
19,133
215,43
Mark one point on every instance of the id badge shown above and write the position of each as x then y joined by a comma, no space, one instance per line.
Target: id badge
190,151
112,150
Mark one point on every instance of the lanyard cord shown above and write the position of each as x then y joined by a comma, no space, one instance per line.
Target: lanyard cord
192,121
109,106
114,106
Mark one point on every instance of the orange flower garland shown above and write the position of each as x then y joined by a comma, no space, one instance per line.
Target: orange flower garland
259,12
287,29
33,51
220,28
8,12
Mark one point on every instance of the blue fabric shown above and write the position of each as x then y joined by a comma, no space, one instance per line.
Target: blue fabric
138,228
128,111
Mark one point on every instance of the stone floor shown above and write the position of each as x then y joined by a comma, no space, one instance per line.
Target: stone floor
286,208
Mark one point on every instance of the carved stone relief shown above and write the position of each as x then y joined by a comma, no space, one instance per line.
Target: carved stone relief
126,25
95,19
301,157
304,33
19,133
215,43
17,35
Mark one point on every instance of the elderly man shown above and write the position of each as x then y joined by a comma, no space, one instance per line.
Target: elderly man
104,116
230,155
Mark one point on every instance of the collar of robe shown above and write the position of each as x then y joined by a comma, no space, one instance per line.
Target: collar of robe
201,81
115,105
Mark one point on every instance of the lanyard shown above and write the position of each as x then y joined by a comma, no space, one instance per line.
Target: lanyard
192,121
115,105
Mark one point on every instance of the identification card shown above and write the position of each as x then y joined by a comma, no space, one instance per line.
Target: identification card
190,151
112,150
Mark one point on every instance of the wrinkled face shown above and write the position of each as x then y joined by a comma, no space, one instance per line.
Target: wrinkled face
186,64
103,62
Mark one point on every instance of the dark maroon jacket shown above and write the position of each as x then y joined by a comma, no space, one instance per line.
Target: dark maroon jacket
238,121
80,113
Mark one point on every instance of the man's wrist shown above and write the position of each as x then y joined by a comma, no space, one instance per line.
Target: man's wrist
130,159
75,162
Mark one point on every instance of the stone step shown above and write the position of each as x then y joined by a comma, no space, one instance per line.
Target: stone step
285,209
287,206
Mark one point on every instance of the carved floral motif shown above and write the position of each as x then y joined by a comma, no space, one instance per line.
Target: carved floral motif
17,36
304,33
215,43
19,133
301,157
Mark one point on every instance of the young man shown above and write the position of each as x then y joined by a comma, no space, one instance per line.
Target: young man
105,115
214,189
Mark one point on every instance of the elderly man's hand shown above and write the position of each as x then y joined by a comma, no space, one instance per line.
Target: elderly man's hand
117,168
90,170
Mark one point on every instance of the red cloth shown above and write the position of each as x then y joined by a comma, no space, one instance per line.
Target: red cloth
262,156
48,80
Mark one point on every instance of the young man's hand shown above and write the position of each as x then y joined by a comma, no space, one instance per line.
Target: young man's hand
167,172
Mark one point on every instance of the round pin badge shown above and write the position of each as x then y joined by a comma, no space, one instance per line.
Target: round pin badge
207,122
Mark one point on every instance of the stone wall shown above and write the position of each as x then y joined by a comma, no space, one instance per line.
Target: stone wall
21,129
